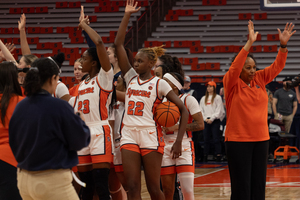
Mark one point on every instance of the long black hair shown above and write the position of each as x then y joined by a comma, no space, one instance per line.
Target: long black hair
9,86
172,63
42,69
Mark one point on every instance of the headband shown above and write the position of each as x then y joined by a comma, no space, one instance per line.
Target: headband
55,64
173,80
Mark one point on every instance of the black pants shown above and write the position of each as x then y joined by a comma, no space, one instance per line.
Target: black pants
212,130
247,162
8,182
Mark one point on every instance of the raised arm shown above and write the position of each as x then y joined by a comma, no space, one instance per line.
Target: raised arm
6,53
23,39
120,38
10,47
87,37
232,76
95,37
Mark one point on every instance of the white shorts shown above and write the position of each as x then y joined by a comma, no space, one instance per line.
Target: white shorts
142,140
118,157
185,163
100,148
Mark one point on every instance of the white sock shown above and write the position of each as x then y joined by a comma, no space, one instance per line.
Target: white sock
187,185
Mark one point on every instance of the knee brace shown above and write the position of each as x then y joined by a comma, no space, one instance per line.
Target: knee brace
187,185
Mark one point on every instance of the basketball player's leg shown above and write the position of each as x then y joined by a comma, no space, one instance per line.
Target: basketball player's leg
115,187
152,168
168,186
187,185
85,173
132,173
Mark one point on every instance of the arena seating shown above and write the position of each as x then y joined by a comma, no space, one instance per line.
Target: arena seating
220,30
52,25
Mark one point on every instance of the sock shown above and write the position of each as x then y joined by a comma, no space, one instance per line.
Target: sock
101,183
88,191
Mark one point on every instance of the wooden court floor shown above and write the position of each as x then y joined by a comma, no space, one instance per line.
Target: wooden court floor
212,182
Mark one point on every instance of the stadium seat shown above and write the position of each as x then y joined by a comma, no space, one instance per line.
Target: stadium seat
260,16
61,4
100,9
107,40
34,40
196,49
208,2
166,44
237,49
189,61
206,17
83,50
16,31
244,16
41,9
76,4
118,3
28,10
150,43
6,40
227,49
198,66
181,44
113,34
104,3
218,79
7,30
77,33
33,30
72,50
189,12
212,66
172,17
196,43
256,49
93,18
16,40
77,40
46,45
202,79
212,49
258,37
62,30
18,51
112,9
220,2
92,1
270,48
15,10
46,30
57,45
272,37
143,3
180,60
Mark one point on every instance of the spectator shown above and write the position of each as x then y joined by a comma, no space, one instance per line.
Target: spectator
285,104
211,106
186,88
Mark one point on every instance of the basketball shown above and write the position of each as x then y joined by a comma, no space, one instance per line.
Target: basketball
167,114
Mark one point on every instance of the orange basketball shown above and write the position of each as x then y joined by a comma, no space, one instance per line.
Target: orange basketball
167,114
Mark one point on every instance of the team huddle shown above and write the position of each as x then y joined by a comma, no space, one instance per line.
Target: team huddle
114,133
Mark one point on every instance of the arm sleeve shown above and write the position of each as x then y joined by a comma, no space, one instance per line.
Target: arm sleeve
269,73
163,88
192,105
61,90
75,131
129,75
219,111
88,39
105,79
232,76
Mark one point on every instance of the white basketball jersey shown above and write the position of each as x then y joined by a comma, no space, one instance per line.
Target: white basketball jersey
141,99
94,97
61,90
193,107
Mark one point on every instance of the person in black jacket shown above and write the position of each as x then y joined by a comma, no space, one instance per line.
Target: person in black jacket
45,135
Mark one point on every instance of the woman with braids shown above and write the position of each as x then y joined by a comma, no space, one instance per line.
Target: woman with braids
184,166
45,135
247,136
93,99
10,95
142,140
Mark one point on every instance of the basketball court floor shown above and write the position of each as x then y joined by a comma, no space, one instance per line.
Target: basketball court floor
212,182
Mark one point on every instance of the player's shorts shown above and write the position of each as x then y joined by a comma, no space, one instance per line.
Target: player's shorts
117,156
185,163
142,140
100,147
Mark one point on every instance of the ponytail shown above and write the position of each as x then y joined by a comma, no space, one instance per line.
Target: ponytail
42,70
153,53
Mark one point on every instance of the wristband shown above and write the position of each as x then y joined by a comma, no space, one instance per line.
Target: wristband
282,46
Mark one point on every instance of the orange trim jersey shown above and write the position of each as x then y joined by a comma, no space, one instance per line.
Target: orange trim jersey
94,97
193,107
247,107
6,154
141,99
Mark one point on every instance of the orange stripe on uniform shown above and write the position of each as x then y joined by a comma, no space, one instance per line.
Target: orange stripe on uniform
119,168
85,159
108,155
102,104
167,170
160,149
131,147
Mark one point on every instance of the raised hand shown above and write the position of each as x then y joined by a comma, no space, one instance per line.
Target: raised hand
22,22
81,14
83,22
131,7
10,47
252,34
284,37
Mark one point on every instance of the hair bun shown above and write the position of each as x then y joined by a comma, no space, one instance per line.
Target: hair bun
59,58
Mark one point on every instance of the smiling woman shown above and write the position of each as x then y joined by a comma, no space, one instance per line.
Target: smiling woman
246,135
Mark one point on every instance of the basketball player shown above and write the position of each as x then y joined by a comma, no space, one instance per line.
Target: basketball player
141,140
93,100
184,166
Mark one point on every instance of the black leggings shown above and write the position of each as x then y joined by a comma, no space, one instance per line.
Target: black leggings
247,162
8,182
